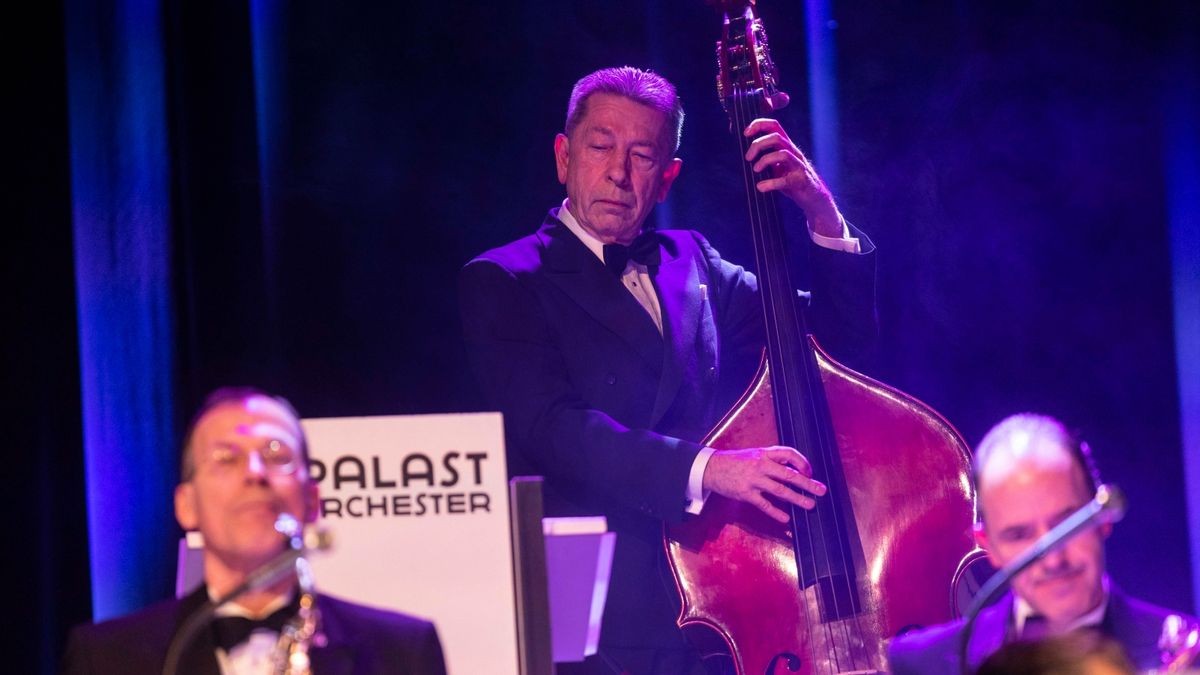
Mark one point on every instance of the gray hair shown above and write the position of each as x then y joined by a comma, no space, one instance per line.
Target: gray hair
1040,427
643,86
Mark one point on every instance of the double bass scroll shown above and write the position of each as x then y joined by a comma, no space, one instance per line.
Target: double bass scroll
879,552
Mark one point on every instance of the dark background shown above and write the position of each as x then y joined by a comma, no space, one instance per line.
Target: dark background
1008,161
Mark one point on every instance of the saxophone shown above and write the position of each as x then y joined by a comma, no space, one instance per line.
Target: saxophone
302,633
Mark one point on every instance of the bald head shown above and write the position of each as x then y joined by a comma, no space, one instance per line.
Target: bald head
1028,442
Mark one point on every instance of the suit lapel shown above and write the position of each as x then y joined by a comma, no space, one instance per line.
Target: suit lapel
677,283
200,656
336,657
1137,632
991,631
581,275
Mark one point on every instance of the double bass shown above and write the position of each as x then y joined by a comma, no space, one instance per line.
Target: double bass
881,552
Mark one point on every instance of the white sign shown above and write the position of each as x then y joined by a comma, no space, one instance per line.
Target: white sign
418,509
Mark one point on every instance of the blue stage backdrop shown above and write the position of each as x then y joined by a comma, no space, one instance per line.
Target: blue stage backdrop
120,186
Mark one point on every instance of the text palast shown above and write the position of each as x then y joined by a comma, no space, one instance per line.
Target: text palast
416,468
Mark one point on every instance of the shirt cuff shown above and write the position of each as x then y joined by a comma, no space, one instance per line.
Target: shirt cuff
845,243
696,494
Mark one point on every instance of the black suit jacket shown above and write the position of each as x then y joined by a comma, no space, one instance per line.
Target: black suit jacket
1129,621
610,411
360,641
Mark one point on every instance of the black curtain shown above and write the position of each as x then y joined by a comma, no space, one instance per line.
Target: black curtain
43,499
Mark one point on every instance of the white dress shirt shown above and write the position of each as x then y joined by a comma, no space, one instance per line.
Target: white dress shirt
254,656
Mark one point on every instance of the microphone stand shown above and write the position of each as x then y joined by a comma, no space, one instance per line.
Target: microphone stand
298,542
1107,507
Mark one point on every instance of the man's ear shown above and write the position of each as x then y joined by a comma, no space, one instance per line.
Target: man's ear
670,173
185,506
981,540
562,156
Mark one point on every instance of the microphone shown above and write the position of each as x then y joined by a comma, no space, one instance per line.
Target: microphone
1108,506
298,539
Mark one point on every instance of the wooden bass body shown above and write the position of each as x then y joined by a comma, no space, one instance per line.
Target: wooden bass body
736,569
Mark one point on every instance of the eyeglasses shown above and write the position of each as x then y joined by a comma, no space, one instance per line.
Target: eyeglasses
276,459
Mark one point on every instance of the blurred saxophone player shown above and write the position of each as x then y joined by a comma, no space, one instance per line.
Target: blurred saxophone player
244,462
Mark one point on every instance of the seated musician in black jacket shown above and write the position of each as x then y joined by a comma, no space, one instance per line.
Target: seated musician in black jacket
245,462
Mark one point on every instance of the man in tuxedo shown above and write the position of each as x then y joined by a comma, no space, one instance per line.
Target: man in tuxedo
612,349
245,462
1030,474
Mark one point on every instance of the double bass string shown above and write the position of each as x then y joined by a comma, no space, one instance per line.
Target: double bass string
771,256
773,264
777,286
738,109
825,445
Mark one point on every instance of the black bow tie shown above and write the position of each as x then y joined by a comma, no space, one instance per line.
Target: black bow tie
644,250
1036,628
231,631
